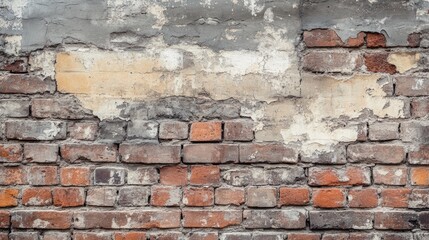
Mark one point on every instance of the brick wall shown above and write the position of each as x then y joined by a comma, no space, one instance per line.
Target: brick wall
312,132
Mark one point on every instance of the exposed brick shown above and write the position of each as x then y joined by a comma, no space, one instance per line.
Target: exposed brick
414,39
142,176
149,153
329,198
205,175
112,131
337,155
351,236
261,197
10,153
133,196
37,196
173,130
348,176
68,197
381,131
62,108
141,129
260,176
75,176
14,108
363,198
40,152
376,153
294,196
206,132
332,62
229,196
174,175
341,219
395,197
83,130
419,198
166,236
304,236
420,107
4,219
203,236
165,196
375,40
36,130
24,236
271,153
396,236
92,152
390,175
211,218
396,220
4,236
9,197
412,86
268,236
210,153
56,235
238,130
103,197
18,83
198,197
236,236
414,131
14,65
420,176
91,236
12,176
109,176
377,62
130,236
41,219
274,218
322,38
424,220
43,175
141,219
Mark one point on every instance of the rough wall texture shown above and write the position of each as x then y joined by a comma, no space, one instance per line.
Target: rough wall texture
214,119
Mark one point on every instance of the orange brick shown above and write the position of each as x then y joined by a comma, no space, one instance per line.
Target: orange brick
205,175
75,176
395,197
174,175
329,198
68,197
206,131
37,197
10,153
9,197
363,198
165,196
420,176
294,196
130,236
229,196
198,197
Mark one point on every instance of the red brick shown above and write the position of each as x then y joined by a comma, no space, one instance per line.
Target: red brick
43,175
174,175
9,197
210,153
94,153
271,153
376,153
4,219
173,130
211,218
375,40
420,176
363,198
238,130
294,196
322,38
37,196
347,176
41,219
205,175
198,197
14,65
358,41
412,86
75,176
420,155
390,175
19,83
203,236
229,196
104,197
91,236
83,130
41,152
414,39
130,236
4,236
165,196
304,236
329,198
12,176
420,107
395,220
261,197
10,153
332,62
206,132
149,153
377,62
395,197
68,197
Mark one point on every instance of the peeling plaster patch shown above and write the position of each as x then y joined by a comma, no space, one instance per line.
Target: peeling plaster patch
404,61
171,59
13,45
43,62
158,13
254,6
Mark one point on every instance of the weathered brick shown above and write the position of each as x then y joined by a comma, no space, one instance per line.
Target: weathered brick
12,176
419,107
36,130
112,131
396,220
211,218
348,176
165,196
41,196
173,130
166,236
4,236
236,236
414,39
109,176
75,176
341,220
332,62
203,236
56,235
103,197
337,155
24,236
424,220
206,132
347,236
304,236
142,176
261,197
419,198
198,197
229,196
268,236
381,131
375,40
376,153
10,153
363,198
238,130
4,219
322,38
377,62
18,83
91,236
415,131
130,236
412,86
43,175
140,129
133,196
141,219
420,176
92,152
395,197
149,153
14,64
41,152
68,197
329,198
205,175
174,175
274,218
260,176
83,130
390,175
9,197
210,153
41,219
62,108
14,108
294,196
271,153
